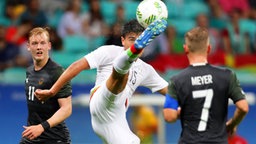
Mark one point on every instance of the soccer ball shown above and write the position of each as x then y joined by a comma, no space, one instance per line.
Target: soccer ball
150,10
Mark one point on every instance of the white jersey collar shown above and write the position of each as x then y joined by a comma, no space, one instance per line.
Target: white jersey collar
199,64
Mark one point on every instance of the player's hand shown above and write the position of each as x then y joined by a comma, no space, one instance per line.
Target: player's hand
231,129
32,132
153,30
43,95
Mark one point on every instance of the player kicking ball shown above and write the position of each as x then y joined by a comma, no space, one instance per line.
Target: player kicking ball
119,73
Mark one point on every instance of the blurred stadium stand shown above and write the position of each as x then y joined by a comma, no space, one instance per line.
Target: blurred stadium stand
182,15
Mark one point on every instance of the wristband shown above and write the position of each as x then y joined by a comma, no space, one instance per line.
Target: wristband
170,102
45,125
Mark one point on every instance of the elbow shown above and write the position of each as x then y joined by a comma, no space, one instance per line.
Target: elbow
243,106
170,115
170,119
68,111
245,109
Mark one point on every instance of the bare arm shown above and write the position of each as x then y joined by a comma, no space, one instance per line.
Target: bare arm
170,115
73,70
63,113
32,132
242,109
163,91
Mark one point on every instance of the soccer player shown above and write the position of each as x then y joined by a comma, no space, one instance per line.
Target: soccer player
199,95
119,73
45,123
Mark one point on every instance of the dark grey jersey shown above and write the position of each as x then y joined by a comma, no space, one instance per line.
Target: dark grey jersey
41,111
203,94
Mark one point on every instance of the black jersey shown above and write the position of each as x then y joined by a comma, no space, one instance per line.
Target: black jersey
203,94
41,111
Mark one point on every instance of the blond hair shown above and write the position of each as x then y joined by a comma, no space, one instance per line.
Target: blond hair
39,31
197,39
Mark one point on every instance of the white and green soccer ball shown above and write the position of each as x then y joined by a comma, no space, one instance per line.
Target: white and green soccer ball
150,10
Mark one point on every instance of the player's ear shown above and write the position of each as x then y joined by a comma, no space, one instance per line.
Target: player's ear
185,48
122,40
208,49
49,46
28,48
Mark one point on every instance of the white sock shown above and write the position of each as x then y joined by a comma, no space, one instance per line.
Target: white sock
123,62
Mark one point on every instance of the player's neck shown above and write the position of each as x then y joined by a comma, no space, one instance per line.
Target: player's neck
197,60
40,64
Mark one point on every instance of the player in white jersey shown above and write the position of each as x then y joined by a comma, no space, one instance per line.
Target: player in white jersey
119,73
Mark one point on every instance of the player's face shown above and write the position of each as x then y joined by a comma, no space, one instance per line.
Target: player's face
129,39
39,47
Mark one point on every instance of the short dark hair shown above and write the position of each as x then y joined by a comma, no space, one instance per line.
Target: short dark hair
131,26
197,39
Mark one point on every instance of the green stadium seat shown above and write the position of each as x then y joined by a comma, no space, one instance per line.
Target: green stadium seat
2,7
85,77
218,23
15,75
84,7
173,9
182,25
187,1
55,18
65,59
75,44
130,8
245,76
4,21
249,27
108,10
192,9
97,42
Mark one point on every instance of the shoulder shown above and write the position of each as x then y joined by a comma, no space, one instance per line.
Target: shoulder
107,51
181,74
54,64
140,63
219,69
30,69
111,48
54,67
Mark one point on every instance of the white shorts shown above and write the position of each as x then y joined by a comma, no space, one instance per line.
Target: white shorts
108,117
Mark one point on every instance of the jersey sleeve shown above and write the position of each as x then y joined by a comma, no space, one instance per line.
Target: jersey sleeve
66,90
235,91
154,81
103,55
172,90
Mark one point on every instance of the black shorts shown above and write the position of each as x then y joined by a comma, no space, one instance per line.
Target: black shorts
27,141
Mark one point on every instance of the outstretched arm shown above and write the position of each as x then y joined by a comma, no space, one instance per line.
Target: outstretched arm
73,70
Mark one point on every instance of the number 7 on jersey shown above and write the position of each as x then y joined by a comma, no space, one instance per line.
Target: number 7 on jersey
208,95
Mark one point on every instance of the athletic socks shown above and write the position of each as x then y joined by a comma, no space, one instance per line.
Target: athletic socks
123,62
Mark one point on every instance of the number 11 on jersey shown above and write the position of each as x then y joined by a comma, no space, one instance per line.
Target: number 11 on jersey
208,95
31,90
